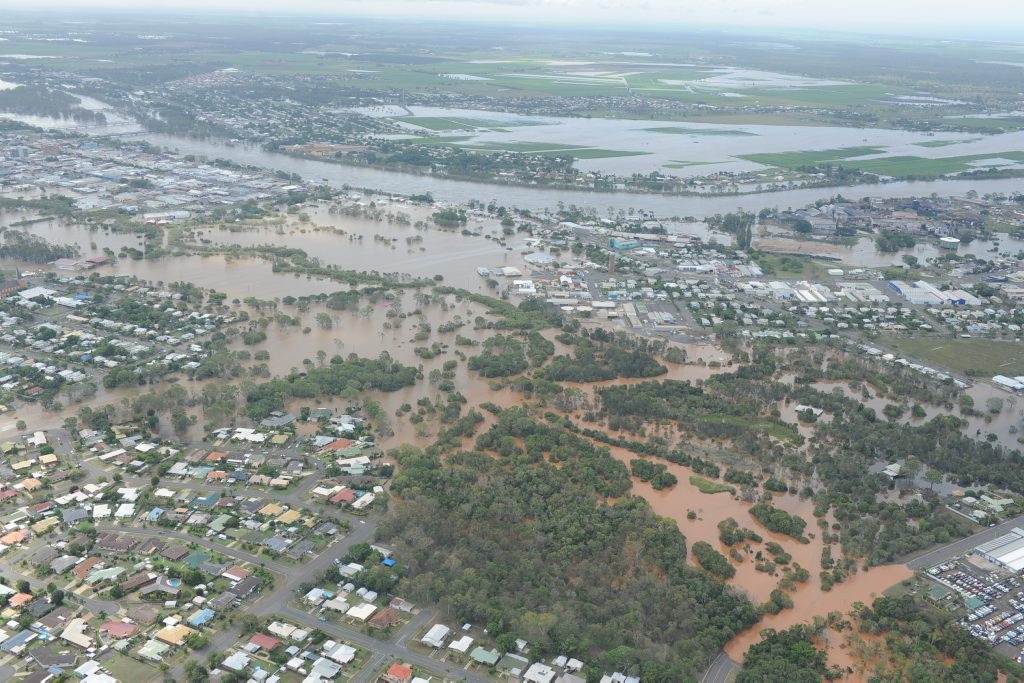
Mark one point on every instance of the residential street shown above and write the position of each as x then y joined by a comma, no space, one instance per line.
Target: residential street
288,577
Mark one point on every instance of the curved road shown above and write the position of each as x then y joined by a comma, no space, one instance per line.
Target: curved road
722,670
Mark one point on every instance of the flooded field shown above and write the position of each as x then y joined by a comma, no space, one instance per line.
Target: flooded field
360,243
661,145
864,253
90,240
458,191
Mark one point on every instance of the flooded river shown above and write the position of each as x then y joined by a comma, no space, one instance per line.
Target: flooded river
457,191
536,198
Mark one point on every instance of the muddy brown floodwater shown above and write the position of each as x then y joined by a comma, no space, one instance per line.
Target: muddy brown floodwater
365,243
809,600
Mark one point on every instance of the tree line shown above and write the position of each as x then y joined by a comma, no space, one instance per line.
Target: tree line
536,551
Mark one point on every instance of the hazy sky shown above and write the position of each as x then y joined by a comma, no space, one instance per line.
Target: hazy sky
946,17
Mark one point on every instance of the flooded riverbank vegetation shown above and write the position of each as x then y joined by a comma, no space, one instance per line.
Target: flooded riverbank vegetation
893,639
544,555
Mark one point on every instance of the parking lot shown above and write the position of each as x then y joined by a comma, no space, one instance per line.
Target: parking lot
991,598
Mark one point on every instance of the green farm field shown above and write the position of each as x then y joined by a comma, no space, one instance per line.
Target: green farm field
904,166
895,166
794,160
978,357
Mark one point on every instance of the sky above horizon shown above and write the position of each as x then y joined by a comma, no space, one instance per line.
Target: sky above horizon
947,18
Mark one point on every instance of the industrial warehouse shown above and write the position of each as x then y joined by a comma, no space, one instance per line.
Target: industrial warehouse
1006,551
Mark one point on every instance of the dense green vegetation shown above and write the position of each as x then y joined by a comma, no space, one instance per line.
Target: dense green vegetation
739,224
37,100
707,486
730,533
598,362
919,644
847,446
928,645
531,551
713,561
889,241
340,377
450,218
51,205
732,411
24,246
502,356
779,521
531,314
654,472
538,348
788,655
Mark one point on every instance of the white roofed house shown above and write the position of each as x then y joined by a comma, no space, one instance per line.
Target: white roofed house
539,673
361,612
339,652
436,635
461,645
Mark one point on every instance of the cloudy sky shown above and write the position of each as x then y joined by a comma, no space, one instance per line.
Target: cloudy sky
941,17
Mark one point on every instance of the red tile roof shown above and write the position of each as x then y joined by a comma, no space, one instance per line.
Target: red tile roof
19,599
118,629
263,641
400,672
39,507
81,569
346,496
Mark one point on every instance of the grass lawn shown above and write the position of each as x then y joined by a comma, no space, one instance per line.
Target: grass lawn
794,267
708,486
681,130
124,668
981,357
